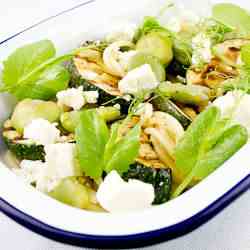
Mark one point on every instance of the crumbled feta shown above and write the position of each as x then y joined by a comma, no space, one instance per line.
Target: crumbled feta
91,96
139,80
29,171
41,131
60,163
122,31
116,195
235,104
201,45
72,98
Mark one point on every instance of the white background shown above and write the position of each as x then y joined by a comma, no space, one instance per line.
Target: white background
230,230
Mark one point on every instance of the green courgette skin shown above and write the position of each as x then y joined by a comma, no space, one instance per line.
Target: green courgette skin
104,97
161,179
24,151
165,105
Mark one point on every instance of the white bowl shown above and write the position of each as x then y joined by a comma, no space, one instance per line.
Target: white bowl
60,222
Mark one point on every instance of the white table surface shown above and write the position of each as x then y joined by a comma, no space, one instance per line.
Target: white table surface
230,230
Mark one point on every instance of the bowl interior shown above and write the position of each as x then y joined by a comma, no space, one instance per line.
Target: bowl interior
67,32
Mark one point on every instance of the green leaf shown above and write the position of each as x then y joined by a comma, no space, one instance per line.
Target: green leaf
49,82
227,145
32,71
121,152
92,135
207,143
149,24
190,146
233,16
25,59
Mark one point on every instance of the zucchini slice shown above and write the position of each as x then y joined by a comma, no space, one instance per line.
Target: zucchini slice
158,44
166,105
107,94
23,150
161,179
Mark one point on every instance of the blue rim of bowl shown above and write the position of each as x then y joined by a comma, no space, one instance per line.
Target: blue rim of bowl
124,241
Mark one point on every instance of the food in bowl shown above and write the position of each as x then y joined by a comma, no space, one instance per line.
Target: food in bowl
135,119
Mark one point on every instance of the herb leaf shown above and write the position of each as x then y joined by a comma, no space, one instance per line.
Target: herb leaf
49,82
120,152
91,137
232,16
25,59
35,64
207,143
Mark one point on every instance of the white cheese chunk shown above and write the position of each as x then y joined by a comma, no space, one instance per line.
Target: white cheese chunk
29,171
201,45
116,195
60,163
41,131
72,98
91,96
139,80
235,104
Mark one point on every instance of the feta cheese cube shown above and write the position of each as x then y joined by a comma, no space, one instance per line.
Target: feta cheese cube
139,80
60,163
41,131
91,96
235,104
29,171
72,98
116,195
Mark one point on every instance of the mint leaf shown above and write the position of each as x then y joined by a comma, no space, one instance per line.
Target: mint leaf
48,83
233,16
121,152
208,142
25,59
91,137
32,71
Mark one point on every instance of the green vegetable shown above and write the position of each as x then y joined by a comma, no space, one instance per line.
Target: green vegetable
158,45
28,110
70,120
32,67
153,39
140,59
161,179
164,104
23,150
233,16
207,144
98,150
188,94
120,152
71,192
91,137
104,96
51,81
183,51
